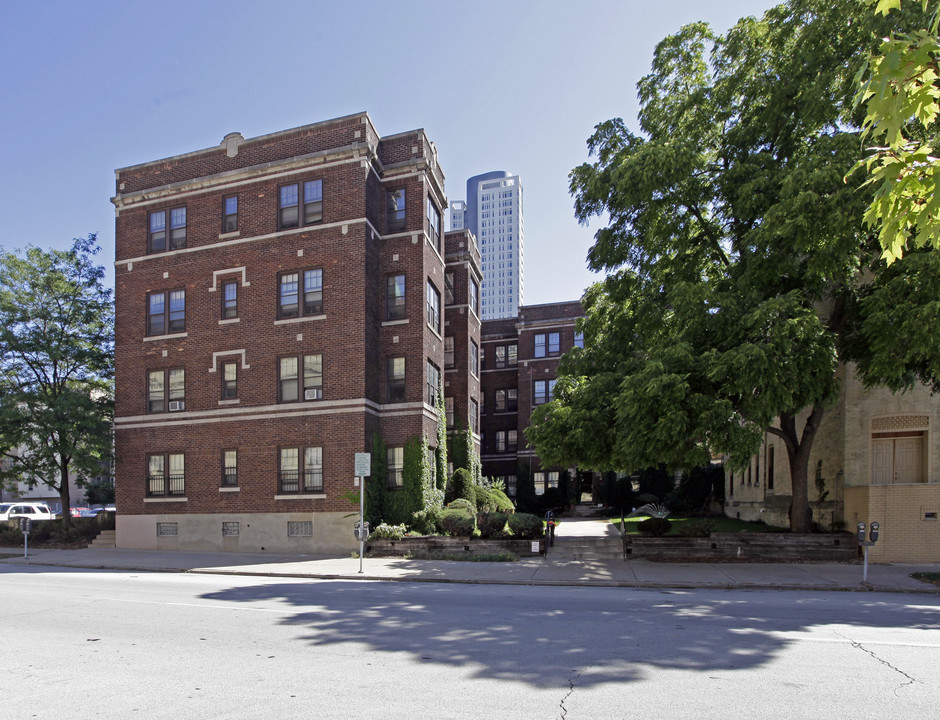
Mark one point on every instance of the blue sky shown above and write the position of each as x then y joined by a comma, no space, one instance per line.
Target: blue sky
514,85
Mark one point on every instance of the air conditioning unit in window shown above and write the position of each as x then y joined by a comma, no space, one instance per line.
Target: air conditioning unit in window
177,405
313,394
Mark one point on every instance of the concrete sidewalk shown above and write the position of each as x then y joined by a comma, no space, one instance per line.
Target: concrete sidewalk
526,571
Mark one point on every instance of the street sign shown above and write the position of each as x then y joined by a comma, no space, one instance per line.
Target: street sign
363,464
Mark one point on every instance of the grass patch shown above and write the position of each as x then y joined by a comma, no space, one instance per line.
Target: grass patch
718,524
927,577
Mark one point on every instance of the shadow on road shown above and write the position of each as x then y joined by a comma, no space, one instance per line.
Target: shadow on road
603,635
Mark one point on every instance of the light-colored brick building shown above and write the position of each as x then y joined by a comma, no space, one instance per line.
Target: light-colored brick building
876,457
279,300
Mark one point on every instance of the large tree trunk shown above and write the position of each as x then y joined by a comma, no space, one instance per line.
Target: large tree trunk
64,495
798,450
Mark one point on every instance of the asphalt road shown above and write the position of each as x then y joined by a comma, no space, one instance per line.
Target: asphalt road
93,644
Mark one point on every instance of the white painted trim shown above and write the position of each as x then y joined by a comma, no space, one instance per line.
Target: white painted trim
221,353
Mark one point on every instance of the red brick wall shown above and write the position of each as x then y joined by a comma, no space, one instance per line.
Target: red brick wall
351,335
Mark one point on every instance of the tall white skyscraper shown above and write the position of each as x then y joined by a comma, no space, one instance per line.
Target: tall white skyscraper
493,212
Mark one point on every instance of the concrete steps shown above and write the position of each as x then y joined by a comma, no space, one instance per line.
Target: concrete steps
584,548
105,539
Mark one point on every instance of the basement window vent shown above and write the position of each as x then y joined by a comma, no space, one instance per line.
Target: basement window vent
167,529
302,528
230,529
930,516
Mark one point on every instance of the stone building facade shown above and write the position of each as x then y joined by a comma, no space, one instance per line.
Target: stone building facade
876,457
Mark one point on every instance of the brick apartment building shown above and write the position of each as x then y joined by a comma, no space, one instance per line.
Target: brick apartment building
521,357
280,300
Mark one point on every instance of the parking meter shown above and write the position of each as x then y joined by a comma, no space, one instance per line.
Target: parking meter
25,525
865,544
357,530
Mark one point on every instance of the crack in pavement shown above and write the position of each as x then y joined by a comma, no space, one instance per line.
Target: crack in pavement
859,646
571,682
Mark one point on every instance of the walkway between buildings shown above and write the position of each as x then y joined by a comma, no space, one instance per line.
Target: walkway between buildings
534,570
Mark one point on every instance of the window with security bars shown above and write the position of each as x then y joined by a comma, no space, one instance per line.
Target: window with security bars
230,529
299,528
301,470
230,468
166,475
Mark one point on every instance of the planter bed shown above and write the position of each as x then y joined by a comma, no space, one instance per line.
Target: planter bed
746,547
418,547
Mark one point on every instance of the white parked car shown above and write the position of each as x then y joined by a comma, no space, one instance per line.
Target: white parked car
34,511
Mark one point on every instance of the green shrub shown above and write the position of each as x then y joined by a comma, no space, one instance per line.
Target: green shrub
646,499
388,532
462,504
492,523
53,533
481,496
695,528
457,522
500,502
461,486
427,522
654,526
525,526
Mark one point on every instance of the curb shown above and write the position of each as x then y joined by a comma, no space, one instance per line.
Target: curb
636,585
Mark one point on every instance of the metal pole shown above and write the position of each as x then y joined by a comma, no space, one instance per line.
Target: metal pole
26,545
865,571
362,526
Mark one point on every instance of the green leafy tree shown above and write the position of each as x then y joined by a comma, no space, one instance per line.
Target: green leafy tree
56,367
900,90
740,274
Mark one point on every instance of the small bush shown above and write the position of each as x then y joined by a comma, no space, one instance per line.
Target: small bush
388,532
654,526
491,524
427,522
462,504
457,522
461,486
525,526
646,498
500,501
695,528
